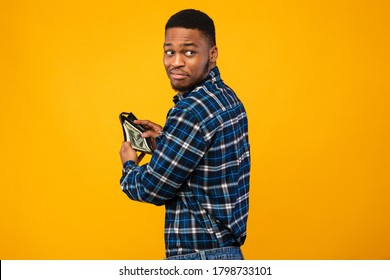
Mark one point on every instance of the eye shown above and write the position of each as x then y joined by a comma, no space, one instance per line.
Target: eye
169,52
189,53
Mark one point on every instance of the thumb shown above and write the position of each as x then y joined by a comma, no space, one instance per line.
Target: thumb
126,145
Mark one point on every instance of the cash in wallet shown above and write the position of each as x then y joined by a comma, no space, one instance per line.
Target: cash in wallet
132,132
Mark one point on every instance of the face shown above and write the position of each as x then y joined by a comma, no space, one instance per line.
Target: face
188,58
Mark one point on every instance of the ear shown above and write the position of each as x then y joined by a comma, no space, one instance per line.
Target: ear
213,54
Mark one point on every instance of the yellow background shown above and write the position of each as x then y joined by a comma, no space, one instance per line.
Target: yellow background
314,76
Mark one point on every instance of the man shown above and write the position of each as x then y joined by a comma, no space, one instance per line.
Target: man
200,168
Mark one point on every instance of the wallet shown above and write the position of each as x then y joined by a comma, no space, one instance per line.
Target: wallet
132,132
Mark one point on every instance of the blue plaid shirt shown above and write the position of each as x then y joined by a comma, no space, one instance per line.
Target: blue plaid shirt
199,171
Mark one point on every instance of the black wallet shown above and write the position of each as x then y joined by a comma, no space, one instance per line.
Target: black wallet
132,132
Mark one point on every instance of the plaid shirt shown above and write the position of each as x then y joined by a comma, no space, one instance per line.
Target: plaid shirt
199,171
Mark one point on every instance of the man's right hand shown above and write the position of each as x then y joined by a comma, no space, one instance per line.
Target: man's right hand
152,130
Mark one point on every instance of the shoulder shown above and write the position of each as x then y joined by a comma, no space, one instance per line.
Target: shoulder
207,98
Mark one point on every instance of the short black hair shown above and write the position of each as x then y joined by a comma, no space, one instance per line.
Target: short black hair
194,19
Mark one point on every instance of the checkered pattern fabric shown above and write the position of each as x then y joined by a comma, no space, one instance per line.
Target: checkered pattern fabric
199,171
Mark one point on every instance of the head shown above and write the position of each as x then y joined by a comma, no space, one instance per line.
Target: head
190,50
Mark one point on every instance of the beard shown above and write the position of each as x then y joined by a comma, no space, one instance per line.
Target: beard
187,88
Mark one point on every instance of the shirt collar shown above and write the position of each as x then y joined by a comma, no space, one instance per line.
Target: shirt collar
213,76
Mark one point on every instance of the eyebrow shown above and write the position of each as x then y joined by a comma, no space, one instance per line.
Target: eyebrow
182,45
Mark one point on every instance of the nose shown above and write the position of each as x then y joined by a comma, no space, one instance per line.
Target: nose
178,61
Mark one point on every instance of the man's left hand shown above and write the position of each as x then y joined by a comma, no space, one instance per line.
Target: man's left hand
128,153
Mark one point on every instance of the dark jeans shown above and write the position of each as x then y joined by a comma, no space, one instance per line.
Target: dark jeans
225,253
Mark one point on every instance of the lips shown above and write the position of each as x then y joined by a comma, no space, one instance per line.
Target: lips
178,75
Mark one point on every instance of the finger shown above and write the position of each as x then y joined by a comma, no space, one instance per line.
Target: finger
148,124
125,145
153,129
143,122
149,133
128,153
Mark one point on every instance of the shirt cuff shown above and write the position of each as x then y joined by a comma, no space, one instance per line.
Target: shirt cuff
129,164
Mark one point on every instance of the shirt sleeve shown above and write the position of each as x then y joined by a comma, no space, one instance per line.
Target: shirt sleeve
180,148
